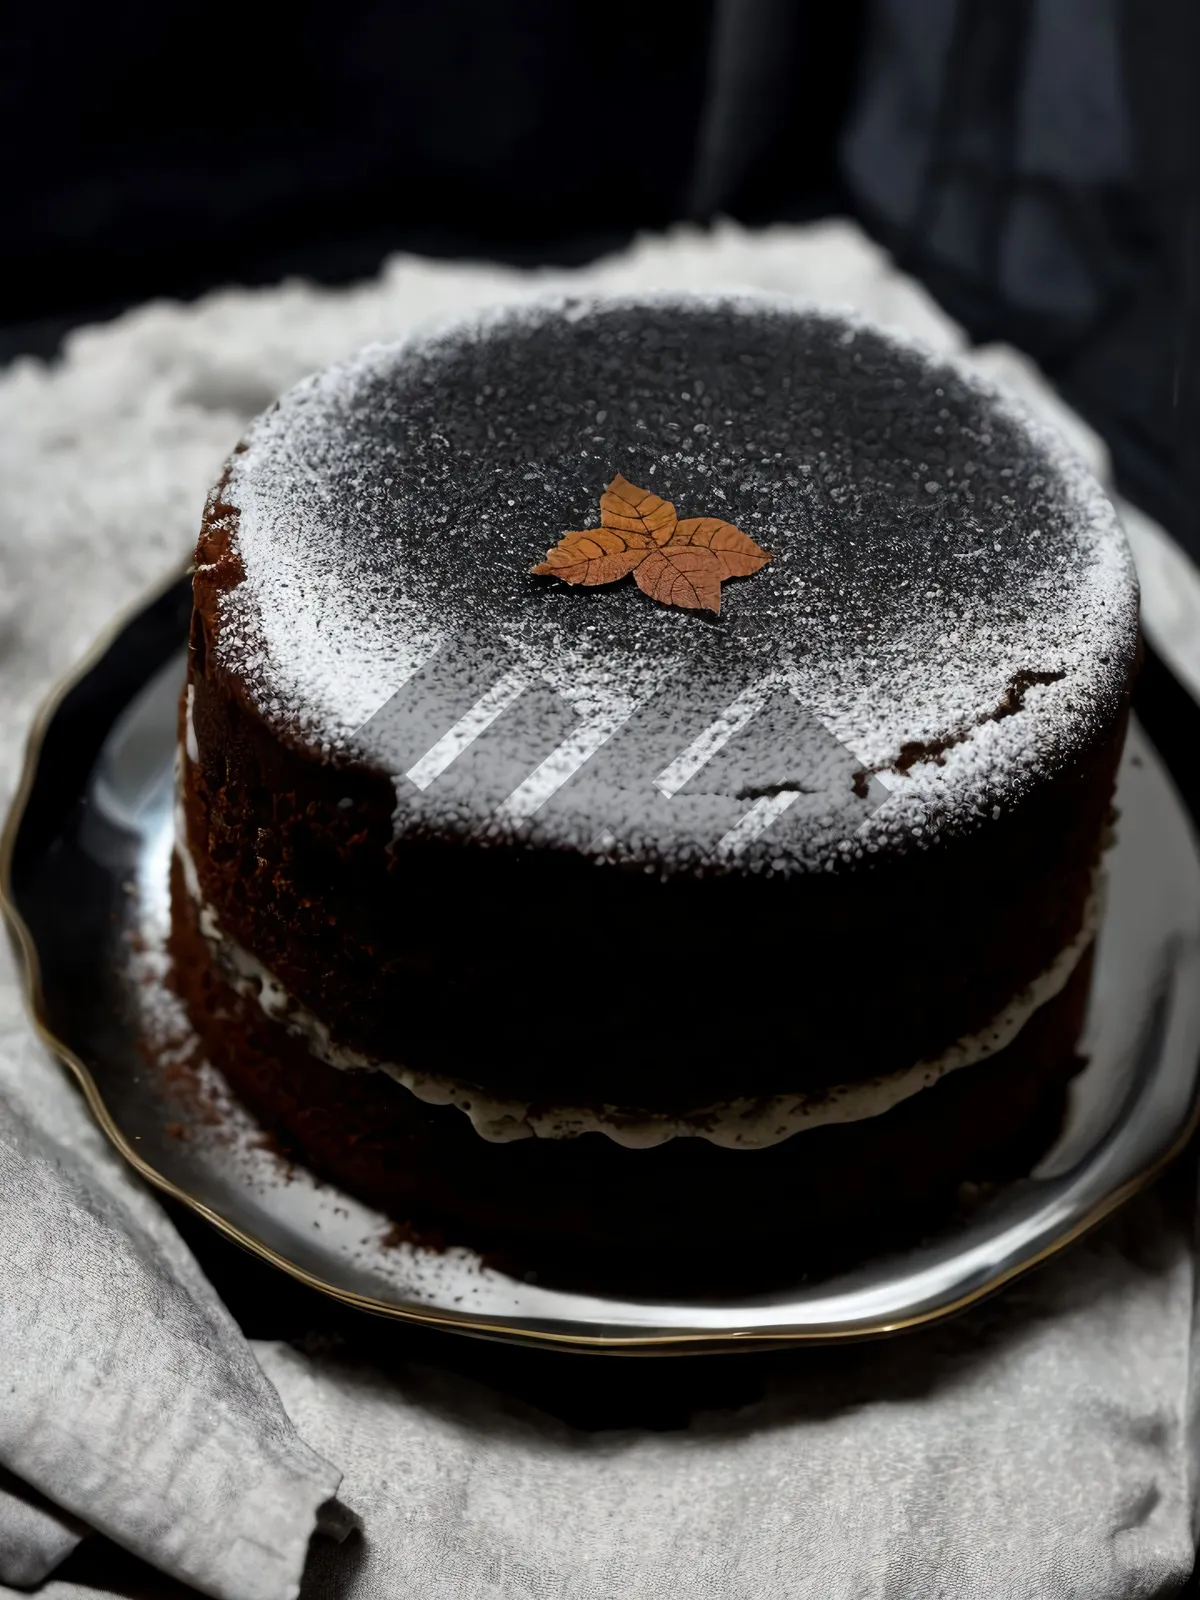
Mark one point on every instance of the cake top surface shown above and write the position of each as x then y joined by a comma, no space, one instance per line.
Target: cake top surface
948,615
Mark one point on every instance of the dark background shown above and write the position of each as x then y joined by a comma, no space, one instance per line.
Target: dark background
1034,162
165,148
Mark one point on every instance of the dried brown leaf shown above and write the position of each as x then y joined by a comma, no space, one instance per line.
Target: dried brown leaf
736,551
681,575
634,510
600,555
677,563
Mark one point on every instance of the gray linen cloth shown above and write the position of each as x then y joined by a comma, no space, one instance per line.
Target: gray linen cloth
132,1400
1041,1446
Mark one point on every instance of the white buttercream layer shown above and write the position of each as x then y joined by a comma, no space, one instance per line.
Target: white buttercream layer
744,1124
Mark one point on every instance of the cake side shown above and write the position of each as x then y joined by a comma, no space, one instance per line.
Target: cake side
686,1213
476,967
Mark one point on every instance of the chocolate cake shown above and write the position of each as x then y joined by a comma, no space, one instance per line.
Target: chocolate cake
724,887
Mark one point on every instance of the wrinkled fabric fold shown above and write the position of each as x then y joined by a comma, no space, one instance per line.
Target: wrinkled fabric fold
1031,1450
35,1537
131,1401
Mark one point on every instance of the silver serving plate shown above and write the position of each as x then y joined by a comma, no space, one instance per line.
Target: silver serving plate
83,874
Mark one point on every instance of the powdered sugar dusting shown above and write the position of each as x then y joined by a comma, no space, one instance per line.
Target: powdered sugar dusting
932,545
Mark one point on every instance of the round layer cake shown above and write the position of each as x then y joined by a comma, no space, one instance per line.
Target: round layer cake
645,768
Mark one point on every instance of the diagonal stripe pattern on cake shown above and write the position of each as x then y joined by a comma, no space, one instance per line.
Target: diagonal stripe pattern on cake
509,755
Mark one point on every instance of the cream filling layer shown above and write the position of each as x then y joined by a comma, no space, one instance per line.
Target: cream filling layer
743,1124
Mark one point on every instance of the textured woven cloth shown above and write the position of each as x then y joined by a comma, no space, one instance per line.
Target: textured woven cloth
1041,1446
